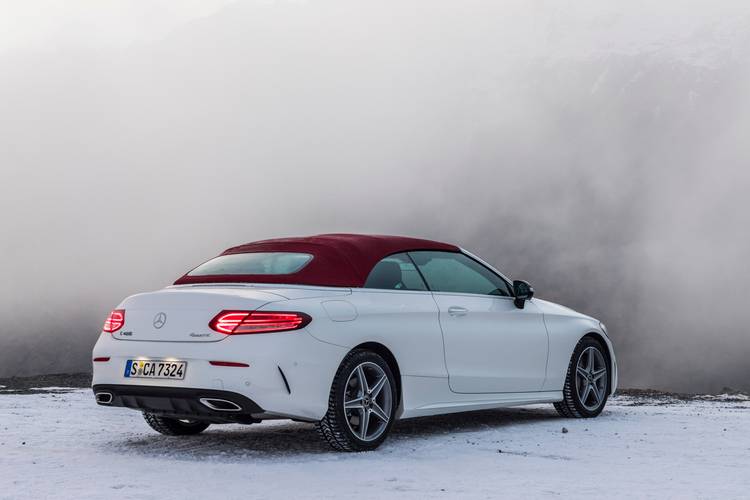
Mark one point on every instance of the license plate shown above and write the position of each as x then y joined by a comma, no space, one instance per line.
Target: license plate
155,368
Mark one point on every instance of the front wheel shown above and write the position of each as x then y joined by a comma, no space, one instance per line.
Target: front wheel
361,405
587,381
174,427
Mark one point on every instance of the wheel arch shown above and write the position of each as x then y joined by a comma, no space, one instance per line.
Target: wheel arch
389,358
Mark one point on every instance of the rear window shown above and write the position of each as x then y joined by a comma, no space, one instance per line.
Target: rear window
253,263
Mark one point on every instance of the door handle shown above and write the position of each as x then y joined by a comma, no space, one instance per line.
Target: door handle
457,311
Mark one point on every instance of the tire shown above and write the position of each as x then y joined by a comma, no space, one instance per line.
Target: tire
370,410
173,427
587,382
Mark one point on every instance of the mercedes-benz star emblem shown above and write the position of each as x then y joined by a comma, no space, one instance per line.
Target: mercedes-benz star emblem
160,320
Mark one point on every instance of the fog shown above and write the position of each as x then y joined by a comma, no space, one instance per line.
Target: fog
596,149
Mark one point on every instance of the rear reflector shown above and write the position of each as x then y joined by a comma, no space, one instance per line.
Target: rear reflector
114,321
229,363
101,360
245,322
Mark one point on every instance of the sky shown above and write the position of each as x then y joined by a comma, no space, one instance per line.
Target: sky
594,148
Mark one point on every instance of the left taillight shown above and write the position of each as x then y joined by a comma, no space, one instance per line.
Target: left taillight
247,322
114,321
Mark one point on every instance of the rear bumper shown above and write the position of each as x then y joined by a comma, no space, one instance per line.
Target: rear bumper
177,402
288,375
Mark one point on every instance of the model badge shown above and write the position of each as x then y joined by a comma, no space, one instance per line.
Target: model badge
160,320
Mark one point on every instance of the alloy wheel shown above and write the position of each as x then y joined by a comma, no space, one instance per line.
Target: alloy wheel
591,378
368,401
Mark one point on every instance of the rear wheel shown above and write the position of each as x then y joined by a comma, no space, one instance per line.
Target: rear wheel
587,381
362,403
174,427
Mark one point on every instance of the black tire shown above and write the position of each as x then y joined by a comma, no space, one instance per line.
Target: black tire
173,427
335,427
572,405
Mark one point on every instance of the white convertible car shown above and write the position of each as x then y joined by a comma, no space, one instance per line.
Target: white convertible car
348,331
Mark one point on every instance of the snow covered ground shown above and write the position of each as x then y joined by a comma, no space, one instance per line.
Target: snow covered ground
60,444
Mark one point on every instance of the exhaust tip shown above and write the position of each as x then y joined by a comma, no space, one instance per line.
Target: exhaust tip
103,398
220,404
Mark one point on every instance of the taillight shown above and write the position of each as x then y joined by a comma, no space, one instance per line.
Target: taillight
244,322
114,321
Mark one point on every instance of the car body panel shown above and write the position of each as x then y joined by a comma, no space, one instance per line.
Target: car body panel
306,363
404,322
182,315
566,327
424,396
492,346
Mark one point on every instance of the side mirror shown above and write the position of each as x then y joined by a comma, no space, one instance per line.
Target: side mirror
523,292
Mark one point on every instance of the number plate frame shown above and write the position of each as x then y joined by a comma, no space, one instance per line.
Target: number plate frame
155,369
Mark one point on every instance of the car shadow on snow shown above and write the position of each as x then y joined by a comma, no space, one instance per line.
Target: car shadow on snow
287,439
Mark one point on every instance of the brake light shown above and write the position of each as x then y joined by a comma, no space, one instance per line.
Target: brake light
244,322
114,321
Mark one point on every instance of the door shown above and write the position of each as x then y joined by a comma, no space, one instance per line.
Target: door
491,346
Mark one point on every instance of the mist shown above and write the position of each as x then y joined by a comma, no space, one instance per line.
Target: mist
596,149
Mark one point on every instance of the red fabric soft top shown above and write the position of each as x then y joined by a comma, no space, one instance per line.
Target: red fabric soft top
338,259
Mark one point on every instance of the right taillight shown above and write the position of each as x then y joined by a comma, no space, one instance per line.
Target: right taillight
114,321
246,322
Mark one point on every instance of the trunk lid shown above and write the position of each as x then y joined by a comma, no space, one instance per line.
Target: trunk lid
182,314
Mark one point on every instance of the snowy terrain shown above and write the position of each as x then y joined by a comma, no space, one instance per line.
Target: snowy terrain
60,444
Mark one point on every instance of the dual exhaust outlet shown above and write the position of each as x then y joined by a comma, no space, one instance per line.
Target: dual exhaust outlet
216,404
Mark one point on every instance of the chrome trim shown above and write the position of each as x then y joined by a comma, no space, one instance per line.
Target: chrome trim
103,398
207,402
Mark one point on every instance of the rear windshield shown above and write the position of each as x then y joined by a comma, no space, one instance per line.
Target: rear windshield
253,263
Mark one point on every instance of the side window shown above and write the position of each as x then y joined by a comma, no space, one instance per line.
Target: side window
457,273
395,272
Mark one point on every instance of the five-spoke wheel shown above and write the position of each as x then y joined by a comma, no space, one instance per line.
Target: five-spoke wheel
587,382
362,403
368,401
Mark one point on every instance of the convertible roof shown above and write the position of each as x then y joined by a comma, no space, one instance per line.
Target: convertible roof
338,259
